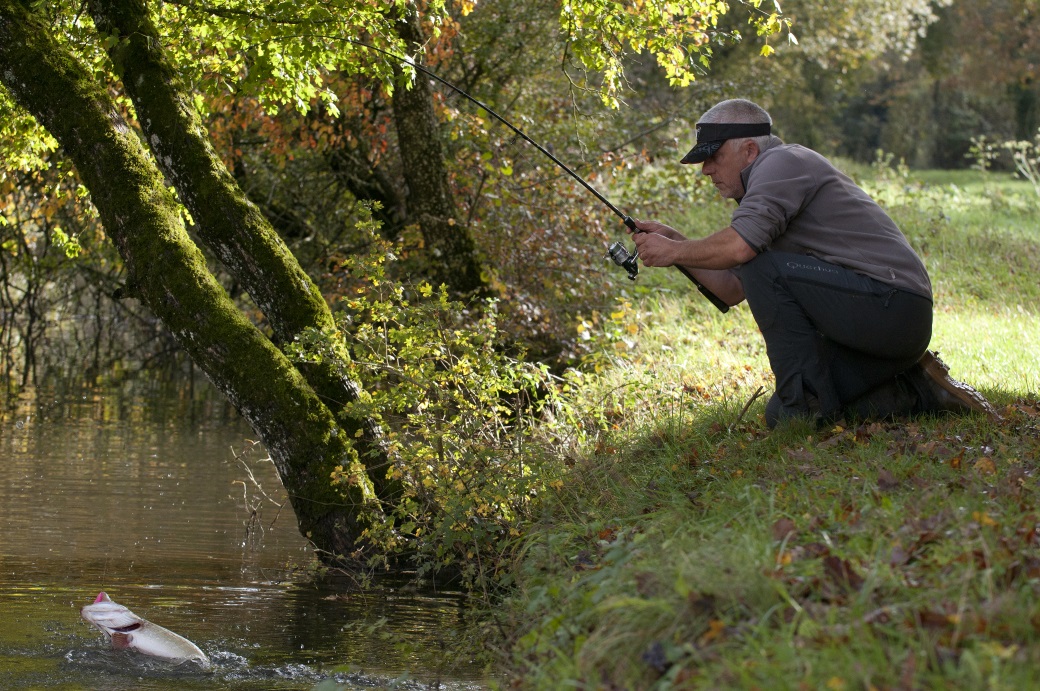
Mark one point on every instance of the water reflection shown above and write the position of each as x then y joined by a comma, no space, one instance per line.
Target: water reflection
139,493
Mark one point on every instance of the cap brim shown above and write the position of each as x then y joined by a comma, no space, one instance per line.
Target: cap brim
702,151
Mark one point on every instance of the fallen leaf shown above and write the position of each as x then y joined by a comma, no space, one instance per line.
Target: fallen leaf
898,556
886,480
701,604
983,518
841,572
908,672
985,466
800,454
783,528
998,650
716,628
929,619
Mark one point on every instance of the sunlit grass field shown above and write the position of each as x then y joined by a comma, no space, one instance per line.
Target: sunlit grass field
689,547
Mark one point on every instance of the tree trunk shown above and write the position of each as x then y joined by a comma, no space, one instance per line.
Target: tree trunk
168,273
453,255
225,220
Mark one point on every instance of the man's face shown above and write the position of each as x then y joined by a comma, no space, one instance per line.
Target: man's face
724,166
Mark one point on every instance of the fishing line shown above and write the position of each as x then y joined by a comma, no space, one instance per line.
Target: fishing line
617,251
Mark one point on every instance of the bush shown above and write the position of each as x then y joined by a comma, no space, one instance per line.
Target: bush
456,410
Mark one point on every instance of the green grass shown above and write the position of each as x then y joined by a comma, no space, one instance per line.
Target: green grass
689,547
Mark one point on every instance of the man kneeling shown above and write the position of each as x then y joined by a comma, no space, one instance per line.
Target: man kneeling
843,301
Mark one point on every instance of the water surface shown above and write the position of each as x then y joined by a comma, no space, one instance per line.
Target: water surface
145,493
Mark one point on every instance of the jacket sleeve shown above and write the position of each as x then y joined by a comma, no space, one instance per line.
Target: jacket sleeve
778,190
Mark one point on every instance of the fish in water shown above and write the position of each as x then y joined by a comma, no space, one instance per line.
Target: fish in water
127,631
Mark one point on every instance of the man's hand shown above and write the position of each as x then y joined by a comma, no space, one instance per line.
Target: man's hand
658,229
655,249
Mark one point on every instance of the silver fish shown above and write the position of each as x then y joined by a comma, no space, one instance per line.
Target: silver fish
127,631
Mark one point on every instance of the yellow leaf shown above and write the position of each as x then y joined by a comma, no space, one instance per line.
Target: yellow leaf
836,683
986,466
998,650
716,627
983,518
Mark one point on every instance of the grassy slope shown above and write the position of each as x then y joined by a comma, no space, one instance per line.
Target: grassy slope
690,548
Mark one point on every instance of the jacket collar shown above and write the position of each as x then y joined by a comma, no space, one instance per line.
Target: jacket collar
745,174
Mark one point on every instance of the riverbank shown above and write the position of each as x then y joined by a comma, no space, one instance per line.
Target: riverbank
688,547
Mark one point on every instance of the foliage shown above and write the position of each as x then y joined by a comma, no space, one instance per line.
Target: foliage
457,412
849,33
22,145
678,35
1026,156
904,77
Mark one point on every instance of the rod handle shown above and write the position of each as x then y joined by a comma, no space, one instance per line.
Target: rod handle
712,297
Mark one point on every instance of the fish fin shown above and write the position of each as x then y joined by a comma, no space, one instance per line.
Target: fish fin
121,641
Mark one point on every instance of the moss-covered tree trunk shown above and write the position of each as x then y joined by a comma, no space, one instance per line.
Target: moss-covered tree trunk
168,273
225,220
430,202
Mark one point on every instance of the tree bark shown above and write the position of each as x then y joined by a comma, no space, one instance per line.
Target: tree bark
168,273
430,202
225,220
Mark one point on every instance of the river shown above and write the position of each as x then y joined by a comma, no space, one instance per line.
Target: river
144,492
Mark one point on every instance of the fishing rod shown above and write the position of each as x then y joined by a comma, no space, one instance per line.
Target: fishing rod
616,251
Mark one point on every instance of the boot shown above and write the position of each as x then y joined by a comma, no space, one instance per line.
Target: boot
895,399
939,392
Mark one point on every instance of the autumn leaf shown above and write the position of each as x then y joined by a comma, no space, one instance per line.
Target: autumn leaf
983,518
841,572
886,480
898,556
800,454
985,466
783,528
930,619
716,629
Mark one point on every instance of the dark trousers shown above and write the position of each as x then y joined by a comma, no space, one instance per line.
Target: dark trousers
832,335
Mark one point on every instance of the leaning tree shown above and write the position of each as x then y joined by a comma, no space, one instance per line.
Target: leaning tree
117,88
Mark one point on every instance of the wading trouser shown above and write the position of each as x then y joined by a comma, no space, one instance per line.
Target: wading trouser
832,335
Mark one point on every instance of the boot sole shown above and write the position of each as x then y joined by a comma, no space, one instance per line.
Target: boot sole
939,373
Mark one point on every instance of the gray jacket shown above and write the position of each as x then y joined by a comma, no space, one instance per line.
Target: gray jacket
795,200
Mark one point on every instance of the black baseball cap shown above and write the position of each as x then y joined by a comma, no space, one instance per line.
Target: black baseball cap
711,135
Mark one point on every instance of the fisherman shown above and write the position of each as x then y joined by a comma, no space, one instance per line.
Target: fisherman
843,301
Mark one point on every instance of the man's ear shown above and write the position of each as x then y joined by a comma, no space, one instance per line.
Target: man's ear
751,151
